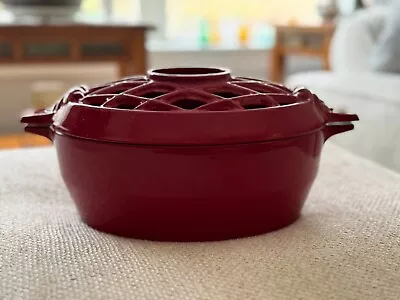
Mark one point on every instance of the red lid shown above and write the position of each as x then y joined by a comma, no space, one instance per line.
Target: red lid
187,106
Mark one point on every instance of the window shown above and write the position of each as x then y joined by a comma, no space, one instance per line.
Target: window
227,21
115,10
92,9
184,21
98,11
188,13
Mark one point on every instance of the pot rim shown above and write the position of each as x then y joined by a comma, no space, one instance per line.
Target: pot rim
56,132
177,129
191,128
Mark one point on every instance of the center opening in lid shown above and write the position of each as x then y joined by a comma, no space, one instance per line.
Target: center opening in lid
189,74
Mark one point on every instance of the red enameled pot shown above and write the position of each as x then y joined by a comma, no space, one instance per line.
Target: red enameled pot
188,154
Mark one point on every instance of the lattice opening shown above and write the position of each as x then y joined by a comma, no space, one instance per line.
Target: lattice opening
96,104
188,103
254,106
152,94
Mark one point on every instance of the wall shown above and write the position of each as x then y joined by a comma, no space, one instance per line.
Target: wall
16,81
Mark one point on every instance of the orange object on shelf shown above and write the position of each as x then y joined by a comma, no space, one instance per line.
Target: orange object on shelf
215,36
244,34
292,22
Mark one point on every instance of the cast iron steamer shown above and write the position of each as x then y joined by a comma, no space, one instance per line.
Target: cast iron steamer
188,154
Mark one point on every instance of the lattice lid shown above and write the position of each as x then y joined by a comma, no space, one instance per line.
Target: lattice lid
184,106
186,90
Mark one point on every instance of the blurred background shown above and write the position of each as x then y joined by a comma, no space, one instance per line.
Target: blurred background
180,23
342,49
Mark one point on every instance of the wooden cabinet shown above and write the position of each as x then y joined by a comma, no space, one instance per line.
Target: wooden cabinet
125,45
300,40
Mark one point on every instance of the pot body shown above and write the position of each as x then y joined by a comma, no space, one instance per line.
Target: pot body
189,193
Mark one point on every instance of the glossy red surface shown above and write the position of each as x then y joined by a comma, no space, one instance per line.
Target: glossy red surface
189,193
188,154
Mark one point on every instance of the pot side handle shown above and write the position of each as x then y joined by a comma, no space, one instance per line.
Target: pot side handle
39,123
338,123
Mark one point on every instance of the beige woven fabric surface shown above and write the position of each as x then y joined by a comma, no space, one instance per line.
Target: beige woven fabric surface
345,246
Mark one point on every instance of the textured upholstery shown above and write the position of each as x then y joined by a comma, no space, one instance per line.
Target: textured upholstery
345,246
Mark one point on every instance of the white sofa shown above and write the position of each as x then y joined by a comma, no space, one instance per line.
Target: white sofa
353,87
